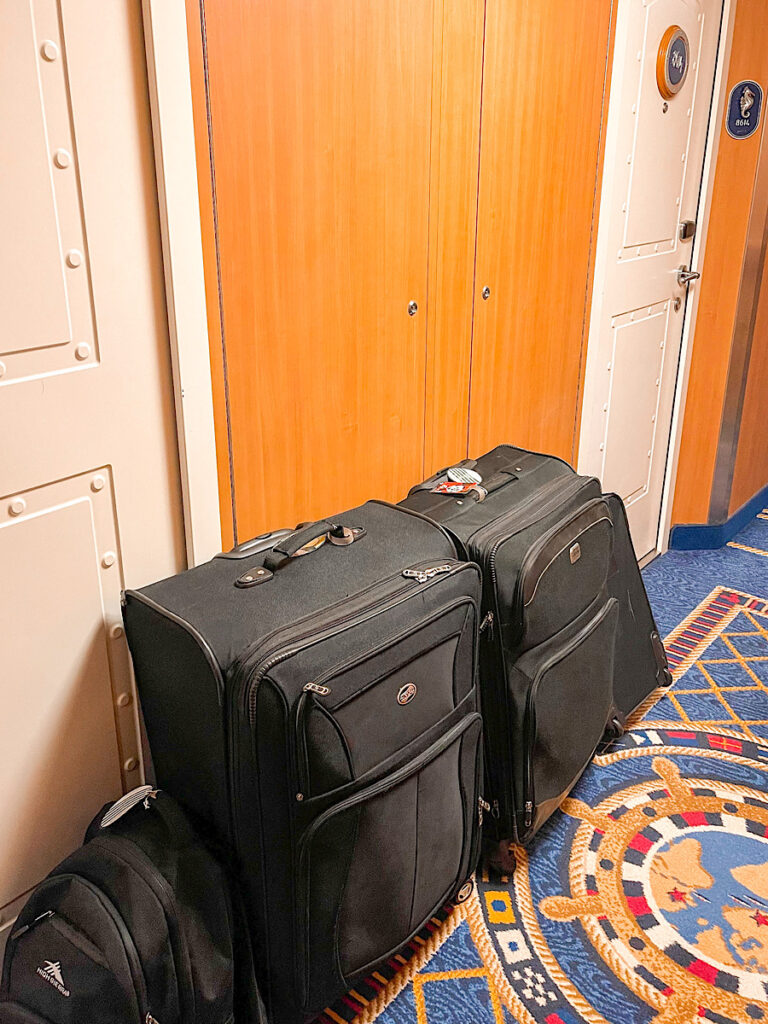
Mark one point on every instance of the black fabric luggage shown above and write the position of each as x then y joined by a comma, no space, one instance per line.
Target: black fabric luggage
320,714
640,659
135,927
553,605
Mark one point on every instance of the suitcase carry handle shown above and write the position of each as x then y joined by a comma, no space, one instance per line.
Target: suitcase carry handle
291,545
253,546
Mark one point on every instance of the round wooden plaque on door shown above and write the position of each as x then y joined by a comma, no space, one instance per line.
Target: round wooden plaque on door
672,61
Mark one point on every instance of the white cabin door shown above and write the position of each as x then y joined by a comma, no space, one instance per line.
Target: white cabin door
89,477
661,92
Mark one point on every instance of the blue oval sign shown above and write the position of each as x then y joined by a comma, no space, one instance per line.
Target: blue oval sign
745,105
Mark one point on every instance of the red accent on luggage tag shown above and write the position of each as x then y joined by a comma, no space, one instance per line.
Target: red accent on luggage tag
449,487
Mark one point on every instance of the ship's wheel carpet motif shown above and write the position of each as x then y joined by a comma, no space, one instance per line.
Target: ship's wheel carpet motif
645,900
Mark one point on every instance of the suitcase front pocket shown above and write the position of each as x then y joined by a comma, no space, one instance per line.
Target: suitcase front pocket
568,686
379,864
356,715
564,572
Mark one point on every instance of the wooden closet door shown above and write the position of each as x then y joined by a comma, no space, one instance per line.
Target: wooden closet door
319,132
544,75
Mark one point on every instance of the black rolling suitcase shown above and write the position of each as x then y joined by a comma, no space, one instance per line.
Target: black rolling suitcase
319,713
544,538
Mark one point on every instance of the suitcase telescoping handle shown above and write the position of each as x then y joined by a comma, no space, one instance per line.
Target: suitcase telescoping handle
291,545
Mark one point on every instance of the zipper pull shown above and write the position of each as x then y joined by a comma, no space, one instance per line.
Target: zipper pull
317,688
149,1019
422,575
495,812
528,813
487,623
32,924
482,806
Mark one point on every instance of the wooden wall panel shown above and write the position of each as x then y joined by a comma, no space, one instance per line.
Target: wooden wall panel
720,278
541,124
320,115
751,470
458,72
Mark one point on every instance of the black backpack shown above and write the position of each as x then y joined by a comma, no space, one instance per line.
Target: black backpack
135,927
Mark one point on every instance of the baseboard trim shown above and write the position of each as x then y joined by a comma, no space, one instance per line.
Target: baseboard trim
696,537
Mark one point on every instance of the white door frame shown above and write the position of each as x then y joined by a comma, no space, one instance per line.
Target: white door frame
170,90
697,257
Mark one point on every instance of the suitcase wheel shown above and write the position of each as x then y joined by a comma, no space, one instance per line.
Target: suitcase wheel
465,891
614,729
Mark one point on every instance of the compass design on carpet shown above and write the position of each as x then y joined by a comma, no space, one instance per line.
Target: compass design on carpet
672,889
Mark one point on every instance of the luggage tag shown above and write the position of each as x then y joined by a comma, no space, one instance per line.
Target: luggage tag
141,794
449,487
460,481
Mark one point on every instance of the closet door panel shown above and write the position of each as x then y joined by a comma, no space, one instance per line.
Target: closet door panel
458,75
544,76
320,127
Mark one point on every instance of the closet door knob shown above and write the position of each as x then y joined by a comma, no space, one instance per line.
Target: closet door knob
486,292
413,308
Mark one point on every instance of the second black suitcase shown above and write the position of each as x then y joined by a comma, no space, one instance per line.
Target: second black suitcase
320,714
543,537
640,660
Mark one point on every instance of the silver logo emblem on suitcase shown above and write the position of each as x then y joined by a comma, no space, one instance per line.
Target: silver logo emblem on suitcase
406,693
575,553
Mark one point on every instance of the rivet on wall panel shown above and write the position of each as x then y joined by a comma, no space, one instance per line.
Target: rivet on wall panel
116,632
17,506
82,352
131,764
124,700
62,158
49,49
108,559
97,483
74,258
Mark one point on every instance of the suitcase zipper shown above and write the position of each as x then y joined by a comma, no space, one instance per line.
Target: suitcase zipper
529,727
256,666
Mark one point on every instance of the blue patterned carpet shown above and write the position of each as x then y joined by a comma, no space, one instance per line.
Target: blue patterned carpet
646,898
